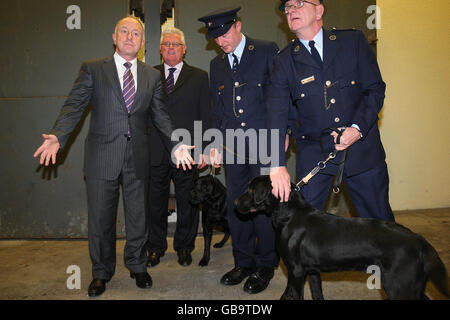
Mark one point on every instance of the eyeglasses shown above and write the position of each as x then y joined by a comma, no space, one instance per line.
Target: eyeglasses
297,5
173,44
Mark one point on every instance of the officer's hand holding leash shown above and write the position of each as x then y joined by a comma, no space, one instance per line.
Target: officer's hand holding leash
348,137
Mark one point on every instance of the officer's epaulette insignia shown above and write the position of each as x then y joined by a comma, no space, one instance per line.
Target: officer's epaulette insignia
332,37
251,47
297,48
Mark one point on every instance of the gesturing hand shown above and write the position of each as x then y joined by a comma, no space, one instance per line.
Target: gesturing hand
183,156
48,149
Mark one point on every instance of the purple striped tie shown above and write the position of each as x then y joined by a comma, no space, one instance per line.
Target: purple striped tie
170,80
129,90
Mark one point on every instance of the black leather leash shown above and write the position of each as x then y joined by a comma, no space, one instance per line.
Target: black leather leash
322,164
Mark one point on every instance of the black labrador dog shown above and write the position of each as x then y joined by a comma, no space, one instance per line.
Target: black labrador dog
311,241
212,194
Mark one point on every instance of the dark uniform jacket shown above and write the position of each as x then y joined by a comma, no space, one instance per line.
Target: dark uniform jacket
239,98
348,90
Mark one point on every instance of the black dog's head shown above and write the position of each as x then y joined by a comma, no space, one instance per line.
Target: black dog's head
258,197
204,188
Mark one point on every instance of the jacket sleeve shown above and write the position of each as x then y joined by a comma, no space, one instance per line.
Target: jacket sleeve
372,87
160,116
74,106
278,111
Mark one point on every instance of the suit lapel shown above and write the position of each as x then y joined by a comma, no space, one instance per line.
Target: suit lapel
184,74
109,67
142,78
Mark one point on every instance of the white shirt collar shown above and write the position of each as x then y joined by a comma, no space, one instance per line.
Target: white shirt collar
120,61
239,51
318,43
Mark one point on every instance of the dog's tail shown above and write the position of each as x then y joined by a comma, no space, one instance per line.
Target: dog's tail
435,269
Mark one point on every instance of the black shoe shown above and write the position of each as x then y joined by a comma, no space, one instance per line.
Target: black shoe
153,258
236,276
97,287
143,280
184,258
259,280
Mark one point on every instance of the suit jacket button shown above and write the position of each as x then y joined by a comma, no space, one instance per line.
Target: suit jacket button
337,119
243,124
129,115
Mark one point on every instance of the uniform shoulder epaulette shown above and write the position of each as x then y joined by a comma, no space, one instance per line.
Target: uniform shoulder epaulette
339,30
285,48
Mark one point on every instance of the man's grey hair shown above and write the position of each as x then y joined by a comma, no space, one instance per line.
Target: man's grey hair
172,30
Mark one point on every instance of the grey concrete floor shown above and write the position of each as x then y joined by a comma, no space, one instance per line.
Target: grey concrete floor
38,270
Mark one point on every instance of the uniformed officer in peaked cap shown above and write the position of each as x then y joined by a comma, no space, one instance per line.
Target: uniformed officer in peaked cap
239,78
333,79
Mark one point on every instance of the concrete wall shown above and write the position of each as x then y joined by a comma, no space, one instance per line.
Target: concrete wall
413,50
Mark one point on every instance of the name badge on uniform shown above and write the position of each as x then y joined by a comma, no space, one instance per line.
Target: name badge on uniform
307,80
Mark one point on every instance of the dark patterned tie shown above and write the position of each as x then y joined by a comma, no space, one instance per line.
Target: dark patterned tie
170,80
235,63
129,90
315,54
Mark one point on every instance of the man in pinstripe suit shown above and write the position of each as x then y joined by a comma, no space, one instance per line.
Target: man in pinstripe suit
125,96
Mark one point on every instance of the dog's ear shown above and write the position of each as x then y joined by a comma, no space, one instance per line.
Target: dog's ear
260,193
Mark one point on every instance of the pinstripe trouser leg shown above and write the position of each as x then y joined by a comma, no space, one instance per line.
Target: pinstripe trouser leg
103,196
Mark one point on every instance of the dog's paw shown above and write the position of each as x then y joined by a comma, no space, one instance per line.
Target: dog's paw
218,245
203,263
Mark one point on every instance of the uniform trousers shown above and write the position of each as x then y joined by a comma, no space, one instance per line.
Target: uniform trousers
253,237
369,192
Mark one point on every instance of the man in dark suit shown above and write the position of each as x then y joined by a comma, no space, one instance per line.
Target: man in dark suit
125,96
189,101
333,79
239,78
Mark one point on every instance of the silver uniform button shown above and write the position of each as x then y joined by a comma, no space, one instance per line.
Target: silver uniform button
303,137
302,95
243,124
328,83
236,84
333,101
259,84
337,119
353,82
238,98
241,110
